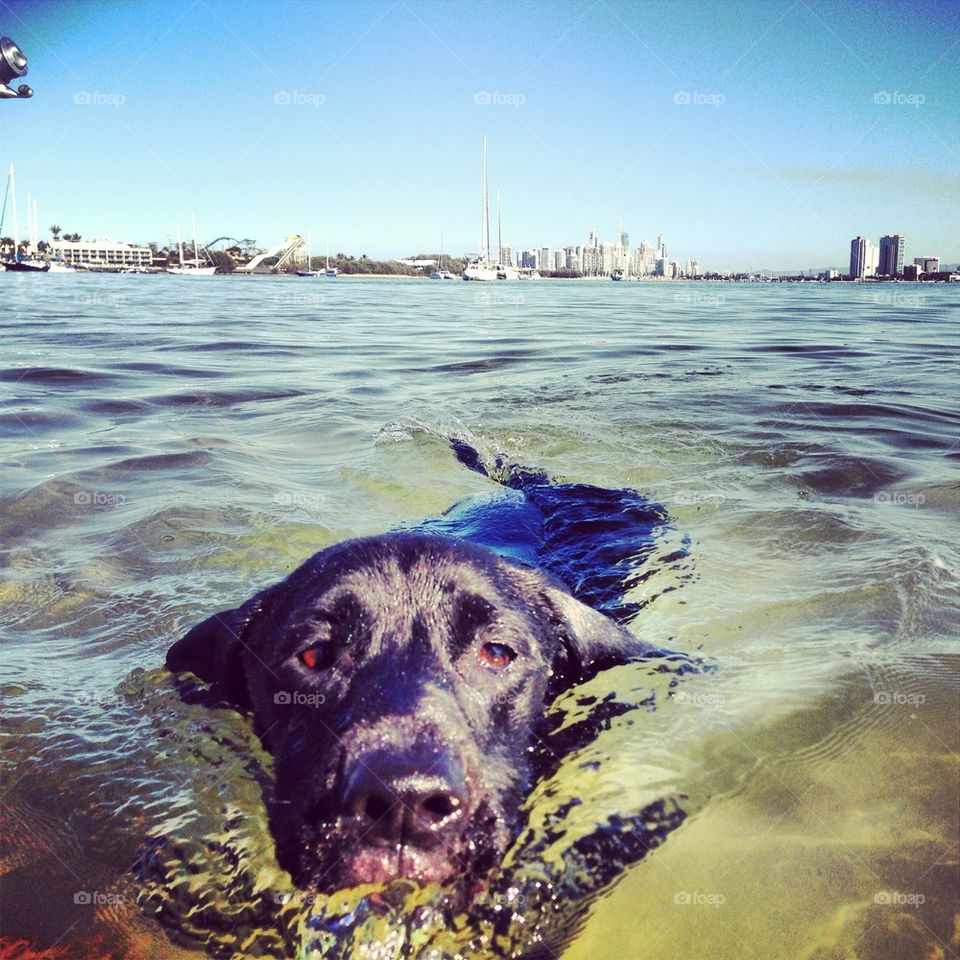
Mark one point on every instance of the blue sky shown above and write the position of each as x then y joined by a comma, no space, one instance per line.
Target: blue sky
752,135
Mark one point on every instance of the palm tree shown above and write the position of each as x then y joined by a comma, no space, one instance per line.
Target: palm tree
55,230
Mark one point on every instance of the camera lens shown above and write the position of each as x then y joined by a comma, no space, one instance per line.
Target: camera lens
13,63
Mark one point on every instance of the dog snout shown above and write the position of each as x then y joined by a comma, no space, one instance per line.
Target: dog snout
416,798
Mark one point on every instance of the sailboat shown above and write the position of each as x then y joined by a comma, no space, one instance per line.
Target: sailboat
330,271
481,268
18,262
309,272
505,271
195,267
440,273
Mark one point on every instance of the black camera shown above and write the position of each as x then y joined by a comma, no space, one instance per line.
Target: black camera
13,64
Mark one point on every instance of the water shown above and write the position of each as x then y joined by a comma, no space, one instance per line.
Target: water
170,446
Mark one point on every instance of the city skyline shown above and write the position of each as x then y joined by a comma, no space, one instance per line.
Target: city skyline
756,137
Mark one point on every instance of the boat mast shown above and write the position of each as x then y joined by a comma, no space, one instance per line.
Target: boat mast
13,198
485,239
180,245
196,252
499,232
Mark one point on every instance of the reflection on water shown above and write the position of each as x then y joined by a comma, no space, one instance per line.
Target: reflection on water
169,451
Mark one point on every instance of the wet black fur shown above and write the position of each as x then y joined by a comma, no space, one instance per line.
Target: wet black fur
401,695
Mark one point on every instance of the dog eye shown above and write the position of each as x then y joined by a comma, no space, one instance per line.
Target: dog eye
497,655
318,657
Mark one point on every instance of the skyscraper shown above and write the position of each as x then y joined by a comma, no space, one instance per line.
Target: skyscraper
861,259
891,256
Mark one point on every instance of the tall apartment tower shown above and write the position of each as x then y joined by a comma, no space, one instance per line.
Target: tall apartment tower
891,256
860,257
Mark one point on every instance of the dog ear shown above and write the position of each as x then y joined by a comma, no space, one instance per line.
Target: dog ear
215,650
589,641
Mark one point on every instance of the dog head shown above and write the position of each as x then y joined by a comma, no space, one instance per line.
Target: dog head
397,681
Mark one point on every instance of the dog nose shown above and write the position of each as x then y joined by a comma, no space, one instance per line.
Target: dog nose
402,800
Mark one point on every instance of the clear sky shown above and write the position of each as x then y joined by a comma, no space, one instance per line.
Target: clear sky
752,135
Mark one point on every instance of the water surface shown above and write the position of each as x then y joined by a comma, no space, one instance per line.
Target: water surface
171,446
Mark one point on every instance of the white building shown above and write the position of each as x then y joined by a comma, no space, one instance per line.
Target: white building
591,261
864,258
101,253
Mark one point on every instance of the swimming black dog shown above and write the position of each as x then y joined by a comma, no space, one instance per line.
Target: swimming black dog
398,680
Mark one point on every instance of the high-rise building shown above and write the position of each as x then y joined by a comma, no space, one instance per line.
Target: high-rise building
891,256
624,241
559,260
661,250
863,258
506,255
609,258
545,259
927,264
661,267
591,261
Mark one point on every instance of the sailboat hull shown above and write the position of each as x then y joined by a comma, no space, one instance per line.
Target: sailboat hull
480,271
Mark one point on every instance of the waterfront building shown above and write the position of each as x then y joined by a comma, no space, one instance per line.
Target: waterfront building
559,260
863,258
927,264
891,256
545,260
591,261
506,255
103,253
661,267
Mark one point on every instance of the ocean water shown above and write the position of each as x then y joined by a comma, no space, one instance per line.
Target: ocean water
169,446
